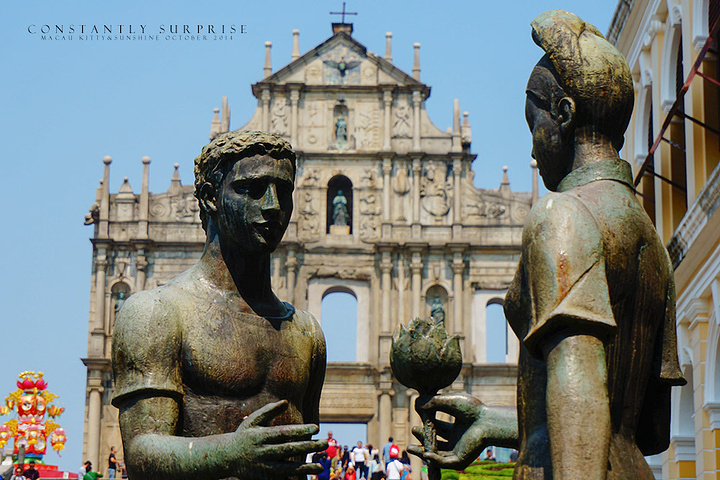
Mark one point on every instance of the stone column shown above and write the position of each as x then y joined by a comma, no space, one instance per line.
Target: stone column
387,170
97,335
265,97
457,192
144,200
413,421
294,99
95,391
387,101
458,266
104,216
416,270
275,279
386,318
417,169
291,264
416,100
267,68
385,419
401,289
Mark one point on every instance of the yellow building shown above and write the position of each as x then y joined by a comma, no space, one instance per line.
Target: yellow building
673,146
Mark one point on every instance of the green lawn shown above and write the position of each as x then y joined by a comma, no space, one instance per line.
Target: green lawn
482,471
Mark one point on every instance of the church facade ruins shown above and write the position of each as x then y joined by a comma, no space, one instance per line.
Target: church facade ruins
385,210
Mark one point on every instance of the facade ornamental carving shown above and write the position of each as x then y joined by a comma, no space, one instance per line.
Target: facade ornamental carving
401,184
309,218
434,188
370,217
280,117
341,66
340,272
402,124
369,178
366,129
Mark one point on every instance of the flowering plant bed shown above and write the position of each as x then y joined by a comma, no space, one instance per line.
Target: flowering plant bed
482,470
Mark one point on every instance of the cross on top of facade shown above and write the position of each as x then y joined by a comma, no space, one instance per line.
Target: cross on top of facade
343,13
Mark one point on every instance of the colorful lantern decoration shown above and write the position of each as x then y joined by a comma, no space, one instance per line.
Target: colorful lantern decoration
31,401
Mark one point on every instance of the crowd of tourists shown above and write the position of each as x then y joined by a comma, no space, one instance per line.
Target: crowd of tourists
362,462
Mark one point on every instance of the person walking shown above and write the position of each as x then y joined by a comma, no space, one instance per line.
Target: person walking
112,463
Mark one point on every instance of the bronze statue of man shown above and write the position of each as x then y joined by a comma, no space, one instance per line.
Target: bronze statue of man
215,377
593,299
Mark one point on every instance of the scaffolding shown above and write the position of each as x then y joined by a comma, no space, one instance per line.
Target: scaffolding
677,110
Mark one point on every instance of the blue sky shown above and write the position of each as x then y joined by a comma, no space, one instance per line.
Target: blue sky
66,104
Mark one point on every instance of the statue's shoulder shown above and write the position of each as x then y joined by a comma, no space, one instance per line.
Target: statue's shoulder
307,321
158,307
557,209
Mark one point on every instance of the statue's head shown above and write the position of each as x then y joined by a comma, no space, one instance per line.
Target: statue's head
244,182
582,86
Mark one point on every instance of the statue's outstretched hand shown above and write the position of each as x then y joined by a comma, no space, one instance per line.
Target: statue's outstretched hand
475,427
263,451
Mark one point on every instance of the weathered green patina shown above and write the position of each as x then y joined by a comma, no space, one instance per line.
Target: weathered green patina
215,377
593,299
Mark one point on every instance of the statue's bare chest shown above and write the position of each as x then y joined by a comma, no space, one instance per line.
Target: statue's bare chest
240,355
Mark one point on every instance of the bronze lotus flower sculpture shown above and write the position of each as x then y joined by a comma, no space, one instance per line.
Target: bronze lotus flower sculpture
424,358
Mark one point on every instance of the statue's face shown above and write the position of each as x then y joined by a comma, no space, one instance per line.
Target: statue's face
255,203
552,147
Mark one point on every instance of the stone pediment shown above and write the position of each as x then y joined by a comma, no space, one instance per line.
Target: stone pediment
340,61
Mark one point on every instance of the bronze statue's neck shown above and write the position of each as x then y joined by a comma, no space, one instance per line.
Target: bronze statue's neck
233,270
590,146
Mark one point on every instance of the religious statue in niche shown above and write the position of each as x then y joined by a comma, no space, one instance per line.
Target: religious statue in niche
437,312
401,125
119,302
593,297
341,217
341,131
215,377
433,189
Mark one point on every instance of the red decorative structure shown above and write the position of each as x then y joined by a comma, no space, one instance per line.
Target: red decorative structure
32,403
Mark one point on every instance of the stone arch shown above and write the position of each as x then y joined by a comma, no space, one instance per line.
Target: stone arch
682,421
478,322
643,123
672,75
712,367
319,288
672,45
701,22
339,307
336,185
496,327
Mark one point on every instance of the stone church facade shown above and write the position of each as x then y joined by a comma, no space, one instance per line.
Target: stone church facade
415,231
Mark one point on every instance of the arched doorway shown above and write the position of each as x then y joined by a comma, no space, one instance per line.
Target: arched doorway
339,324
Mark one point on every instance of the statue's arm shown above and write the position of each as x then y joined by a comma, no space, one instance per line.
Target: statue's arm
153,450
572,316
578,406
311,403
475,427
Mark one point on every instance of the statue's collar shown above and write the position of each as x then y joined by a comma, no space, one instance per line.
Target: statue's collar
613,169
290,311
